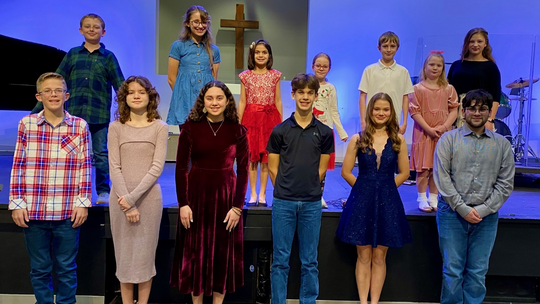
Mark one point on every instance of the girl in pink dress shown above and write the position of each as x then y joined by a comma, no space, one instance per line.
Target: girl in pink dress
260,110
433,107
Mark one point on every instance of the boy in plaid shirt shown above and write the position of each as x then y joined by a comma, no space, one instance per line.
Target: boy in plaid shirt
90,70
50,189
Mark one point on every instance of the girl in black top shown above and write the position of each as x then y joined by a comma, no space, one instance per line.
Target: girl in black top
476,70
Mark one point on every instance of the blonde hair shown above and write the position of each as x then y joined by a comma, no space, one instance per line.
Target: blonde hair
49,75
441,81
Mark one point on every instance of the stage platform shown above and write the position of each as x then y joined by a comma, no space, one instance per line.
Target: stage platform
414,271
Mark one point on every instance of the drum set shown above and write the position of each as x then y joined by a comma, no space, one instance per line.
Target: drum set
518,93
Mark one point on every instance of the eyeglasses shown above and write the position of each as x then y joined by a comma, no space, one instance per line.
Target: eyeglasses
48,92
482,110
197,23
324,67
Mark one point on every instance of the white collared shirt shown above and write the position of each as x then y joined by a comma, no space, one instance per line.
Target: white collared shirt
393,80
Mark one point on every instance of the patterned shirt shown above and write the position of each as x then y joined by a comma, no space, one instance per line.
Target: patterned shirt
89,77
260,88
473,171
325,109
51,167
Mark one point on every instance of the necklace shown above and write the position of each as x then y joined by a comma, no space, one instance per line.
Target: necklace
215,132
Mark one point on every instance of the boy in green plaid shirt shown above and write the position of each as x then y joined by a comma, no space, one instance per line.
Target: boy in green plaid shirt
90,70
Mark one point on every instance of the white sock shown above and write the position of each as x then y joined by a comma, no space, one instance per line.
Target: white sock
422,196
433,197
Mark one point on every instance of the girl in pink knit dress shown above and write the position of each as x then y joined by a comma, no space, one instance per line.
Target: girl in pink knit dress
260,110
433,107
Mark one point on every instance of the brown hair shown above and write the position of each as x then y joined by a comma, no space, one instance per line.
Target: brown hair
321,54
93,16
441,81
389,37
365,141
302,80
251,55
49,75
487,50
207,38
123,111
230,112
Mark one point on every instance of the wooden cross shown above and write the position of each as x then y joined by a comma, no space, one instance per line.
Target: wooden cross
239,24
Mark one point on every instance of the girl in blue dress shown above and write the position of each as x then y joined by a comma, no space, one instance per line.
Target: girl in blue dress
373,218
193,62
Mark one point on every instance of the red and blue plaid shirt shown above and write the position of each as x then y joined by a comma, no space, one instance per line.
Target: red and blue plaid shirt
51,173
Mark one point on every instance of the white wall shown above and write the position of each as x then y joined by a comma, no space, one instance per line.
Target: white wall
346,29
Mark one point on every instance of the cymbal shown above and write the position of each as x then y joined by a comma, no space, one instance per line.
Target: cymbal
520,83
517,98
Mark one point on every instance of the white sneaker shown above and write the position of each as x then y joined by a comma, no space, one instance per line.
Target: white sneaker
323,203
103,198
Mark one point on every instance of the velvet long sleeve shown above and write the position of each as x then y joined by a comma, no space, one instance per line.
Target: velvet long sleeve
183,156
242,166
209,258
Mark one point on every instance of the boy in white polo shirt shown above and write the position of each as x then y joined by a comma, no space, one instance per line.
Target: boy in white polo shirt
388,77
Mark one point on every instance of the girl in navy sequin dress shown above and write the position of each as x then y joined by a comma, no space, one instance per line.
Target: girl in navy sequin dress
373,218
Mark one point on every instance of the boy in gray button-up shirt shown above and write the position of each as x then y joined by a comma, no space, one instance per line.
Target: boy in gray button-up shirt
474,172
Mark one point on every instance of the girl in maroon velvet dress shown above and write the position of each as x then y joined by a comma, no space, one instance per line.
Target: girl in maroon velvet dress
208,255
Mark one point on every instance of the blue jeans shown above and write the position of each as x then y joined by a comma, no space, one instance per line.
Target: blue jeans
305,218
465,250
53,243
101,156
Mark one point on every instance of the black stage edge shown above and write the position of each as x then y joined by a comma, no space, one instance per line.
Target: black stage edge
414,271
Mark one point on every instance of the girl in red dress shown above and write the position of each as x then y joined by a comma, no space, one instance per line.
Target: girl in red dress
260,110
